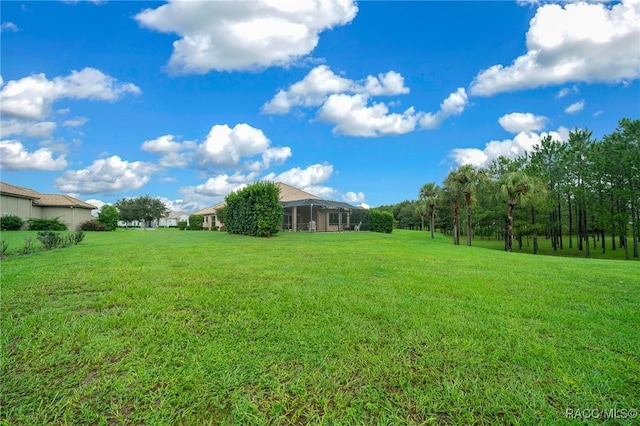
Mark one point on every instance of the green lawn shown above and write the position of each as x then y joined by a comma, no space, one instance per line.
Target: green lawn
176,327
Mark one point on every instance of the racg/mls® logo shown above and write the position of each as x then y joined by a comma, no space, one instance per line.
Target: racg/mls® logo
599,413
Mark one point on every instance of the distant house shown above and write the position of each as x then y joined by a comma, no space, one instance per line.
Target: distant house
29,204
210,216
173,218
303,211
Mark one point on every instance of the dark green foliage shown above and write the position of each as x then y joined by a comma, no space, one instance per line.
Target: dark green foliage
254,210
144,209
49,239
380,221
47,225
182,225
11,223
3,247
195,222
93,225
109,217
75,238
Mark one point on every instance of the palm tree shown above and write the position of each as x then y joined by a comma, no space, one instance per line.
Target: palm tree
430,194
464,179
513,187
453,192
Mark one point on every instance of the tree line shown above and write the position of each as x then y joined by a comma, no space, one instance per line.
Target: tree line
583,191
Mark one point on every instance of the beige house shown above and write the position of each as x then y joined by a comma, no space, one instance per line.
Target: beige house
29,204
210,218
303,211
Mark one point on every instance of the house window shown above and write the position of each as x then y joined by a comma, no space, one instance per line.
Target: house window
333,218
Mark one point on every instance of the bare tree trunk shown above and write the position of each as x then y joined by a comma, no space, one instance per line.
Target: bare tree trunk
432,220
535,232
510,227
467,196
570,225
456,223
587,251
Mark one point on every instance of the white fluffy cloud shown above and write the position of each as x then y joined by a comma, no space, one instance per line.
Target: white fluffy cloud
321,82
354,197
349,106
517,122
575,42
14,156
226,147
106,175
220,185
170,150
9,26
575,107
225,36
309,179
453,105
510,148
31,97
42,129
565,91
352,116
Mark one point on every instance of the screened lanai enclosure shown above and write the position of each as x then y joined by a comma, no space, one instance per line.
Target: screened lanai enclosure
317,215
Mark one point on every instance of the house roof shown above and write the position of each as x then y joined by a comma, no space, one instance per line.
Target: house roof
44,200
212,209
61,200
18,191
290,193
317,202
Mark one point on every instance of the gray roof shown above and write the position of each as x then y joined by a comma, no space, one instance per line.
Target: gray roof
330,204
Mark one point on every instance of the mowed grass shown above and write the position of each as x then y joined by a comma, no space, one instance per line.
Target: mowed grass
176,327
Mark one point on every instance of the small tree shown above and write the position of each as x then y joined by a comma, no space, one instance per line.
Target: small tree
109,217
195,222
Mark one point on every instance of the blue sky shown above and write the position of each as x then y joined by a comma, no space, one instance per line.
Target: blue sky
356,101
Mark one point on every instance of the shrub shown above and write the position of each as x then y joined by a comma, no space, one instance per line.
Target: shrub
47,225
11,223
49,239
73,239
109,217
254,210
93,225
27,245
195,222
380,221
182,225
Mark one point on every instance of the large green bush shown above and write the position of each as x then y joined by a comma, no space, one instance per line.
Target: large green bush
380,221
47,225
11,223
254,210
109,216
195,222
